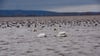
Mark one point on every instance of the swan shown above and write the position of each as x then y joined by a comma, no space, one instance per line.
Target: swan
41,35
62,34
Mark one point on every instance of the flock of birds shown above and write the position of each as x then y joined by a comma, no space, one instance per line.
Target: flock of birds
10,24
50,23
34,24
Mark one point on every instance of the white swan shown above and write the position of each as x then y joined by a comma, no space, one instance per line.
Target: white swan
41,35
62,34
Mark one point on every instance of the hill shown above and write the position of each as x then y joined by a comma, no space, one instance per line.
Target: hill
42,13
